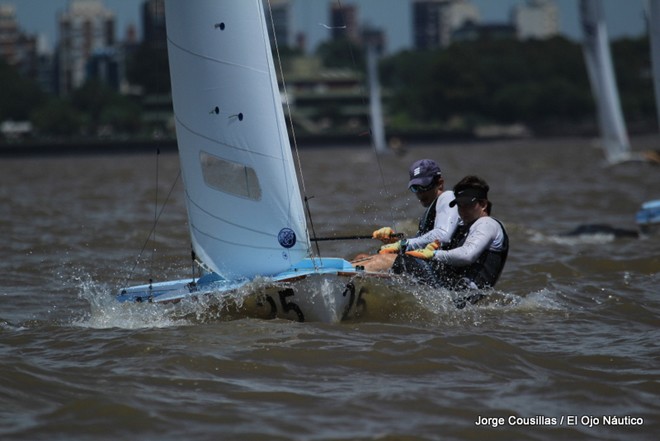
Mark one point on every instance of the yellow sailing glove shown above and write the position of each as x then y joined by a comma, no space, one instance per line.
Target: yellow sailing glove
385,234
392,248
425,253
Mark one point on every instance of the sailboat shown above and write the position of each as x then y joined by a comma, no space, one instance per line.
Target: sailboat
375,102
603,83
245,210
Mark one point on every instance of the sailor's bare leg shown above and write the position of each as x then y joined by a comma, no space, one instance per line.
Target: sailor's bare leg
377,263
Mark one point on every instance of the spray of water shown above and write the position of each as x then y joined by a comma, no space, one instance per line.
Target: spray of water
384,301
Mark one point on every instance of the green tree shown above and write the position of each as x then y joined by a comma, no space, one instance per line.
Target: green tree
122,115
405,74
57,117
631,59
91,99
501,81
19,95
342,52
149,68
105,108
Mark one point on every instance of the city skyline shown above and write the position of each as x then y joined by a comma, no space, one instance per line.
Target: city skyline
624,19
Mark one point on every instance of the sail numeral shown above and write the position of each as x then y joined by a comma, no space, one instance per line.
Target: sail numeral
350,289
290,306
358,301
286,304
361,304
273,307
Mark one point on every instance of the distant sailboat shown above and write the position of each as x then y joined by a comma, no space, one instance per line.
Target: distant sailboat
375,101
648,217
246,217
603,82
653,7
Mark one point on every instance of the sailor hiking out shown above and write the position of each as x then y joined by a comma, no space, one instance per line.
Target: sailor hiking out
477,252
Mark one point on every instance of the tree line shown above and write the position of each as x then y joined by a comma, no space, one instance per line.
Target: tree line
535,82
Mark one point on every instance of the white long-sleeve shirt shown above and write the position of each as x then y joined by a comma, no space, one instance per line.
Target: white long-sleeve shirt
446,220
485,233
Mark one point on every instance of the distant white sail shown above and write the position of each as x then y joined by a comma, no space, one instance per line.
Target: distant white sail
244,204
603,83
375,104
653,7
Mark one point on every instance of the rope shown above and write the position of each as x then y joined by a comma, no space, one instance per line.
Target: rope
153,249
153,228
306,199
388,194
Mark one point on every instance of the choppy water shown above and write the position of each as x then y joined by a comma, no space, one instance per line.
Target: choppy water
570,340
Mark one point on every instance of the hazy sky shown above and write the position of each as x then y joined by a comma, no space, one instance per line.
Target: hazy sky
624,17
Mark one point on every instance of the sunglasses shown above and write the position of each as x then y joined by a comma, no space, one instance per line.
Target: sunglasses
420,189
466,204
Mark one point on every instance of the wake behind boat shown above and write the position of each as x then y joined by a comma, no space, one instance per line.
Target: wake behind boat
242,194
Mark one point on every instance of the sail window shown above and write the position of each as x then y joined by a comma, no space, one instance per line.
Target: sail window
230,177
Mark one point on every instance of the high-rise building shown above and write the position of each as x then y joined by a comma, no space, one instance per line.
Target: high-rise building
434,21
8,34
16,48
153,23
344,22
281,13
462,12
22,51
536,19
85,28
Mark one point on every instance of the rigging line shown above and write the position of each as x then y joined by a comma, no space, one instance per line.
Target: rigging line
146,242
153,249
157,215
311,223
388,193
292,128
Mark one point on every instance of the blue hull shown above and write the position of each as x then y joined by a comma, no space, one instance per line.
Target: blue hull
175,290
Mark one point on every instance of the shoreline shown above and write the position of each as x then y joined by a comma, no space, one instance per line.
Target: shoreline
129,146
138,146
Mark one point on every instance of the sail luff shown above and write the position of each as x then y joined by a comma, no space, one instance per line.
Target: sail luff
603,82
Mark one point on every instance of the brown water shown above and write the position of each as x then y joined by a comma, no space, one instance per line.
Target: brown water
572,339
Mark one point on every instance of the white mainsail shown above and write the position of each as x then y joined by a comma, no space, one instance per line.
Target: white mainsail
603,82
375,104
242,195
653,7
